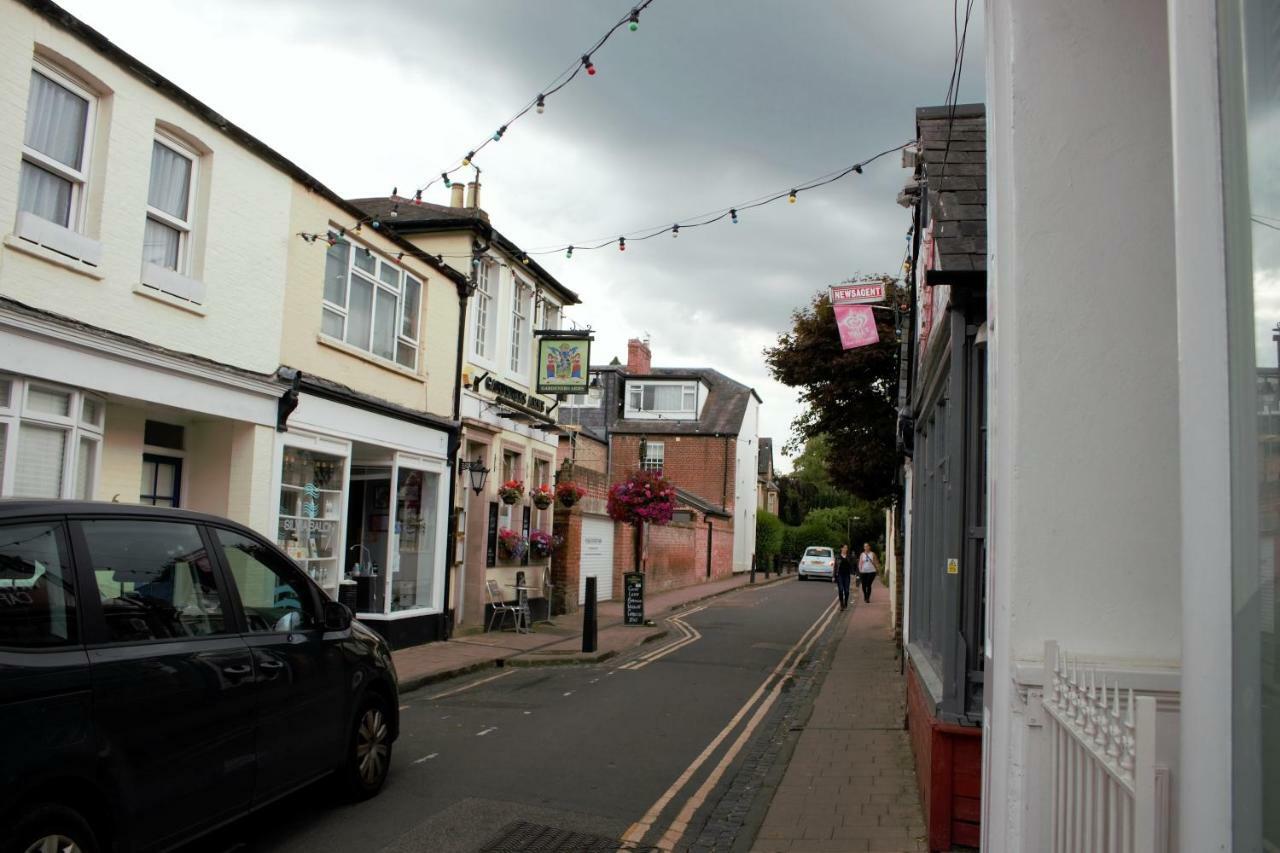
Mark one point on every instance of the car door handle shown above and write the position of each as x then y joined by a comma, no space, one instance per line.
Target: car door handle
271,667
237,671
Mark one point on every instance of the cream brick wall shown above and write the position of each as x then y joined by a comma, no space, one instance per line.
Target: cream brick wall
251,501
430,387
206,468
121,470
241,224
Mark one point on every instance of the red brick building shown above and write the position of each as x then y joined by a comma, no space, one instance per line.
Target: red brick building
696,425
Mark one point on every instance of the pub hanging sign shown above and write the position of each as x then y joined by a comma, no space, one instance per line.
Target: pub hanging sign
564,364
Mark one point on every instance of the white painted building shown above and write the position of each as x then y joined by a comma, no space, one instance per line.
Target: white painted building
1133,263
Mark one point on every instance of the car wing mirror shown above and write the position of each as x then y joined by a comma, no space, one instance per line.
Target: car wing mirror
336,616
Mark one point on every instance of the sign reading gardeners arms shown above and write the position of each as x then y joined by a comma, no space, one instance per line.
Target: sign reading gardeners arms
564,362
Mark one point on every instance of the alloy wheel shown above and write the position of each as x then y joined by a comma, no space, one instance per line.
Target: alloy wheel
371,746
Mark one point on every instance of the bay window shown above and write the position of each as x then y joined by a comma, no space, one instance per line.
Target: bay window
371,304
50,438
55,148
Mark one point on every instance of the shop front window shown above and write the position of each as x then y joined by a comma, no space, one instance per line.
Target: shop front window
310,528
49,440
413,576
1251,72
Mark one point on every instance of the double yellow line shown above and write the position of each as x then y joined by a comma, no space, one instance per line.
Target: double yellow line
761,701
688,634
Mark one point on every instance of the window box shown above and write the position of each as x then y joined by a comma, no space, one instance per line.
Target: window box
172,283
58,238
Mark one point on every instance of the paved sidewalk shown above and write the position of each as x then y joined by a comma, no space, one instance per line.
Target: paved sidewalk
559,642
850,785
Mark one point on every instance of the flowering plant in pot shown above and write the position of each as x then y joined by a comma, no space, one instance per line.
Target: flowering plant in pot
542,496
570,493
644,497
541,543
512,545
511,491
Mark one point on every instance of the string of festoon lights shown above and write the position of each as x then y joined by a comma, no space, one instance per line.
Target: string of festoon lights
537,104
733,213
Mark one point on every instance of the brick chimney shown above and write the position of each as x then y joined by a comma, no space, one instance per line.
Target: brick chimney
639,357
455,197
473,194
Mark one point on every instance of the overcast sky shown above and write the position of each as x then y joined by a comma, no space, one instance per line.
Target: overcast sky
708,104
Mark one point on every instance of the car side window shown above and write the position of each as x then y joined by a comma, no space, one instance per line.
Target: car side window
37,592
274,598
155,580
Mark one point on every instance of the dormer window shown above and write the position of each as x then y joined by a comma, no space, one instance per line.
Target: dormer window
676,400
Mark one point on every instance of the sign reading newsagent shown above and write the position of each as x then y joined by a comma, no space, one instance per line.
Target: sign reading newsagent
564,365
857,294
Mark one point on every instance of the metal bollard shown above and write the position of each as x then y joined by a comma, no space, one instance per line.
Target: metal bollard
589,617
753,568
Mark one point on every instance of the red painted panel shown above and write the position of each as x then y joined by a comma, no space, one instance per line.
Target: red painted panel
967,834
968,809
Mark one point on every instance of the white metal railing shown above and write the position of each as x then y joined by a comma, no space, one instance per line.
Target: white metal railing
1106,794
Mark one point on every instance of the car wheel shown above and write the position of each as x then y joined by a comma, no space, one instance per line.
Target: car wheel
51,829
369,750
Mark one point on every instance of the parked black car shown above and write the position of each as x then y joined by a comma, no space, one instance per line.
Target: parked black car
164,672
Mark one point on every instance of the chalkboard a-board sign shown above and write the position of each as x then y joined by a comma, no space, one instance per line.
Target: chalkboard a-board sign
491,542
633,598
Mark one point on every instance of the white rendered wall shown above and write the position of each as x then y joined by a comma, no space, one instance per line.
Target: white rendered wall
1084,395
746,457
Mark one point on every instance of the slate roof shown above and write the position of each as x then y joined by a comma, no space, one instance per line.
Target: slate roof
953,159
765,457
721,414
424,217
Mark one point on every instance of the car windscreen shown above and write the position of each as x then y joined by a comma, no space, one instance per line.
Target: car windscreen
818,552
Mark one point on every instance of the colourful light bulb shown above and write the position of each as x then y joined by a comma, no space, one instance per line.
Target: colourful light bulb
586,62
635,20
542,105
675,231
497,134
466,161
447,183
791,199
569,253
733,216
622,244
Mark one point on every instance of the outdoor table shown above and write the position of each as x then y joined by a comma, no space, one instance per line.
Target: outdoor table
522,599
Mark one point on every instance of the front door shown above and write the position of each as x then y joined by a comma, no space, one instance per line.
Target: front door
299,674
173,689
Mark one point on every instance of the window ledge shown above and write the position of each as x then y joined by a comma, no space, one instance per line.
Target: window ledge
356,352
49,256
168,299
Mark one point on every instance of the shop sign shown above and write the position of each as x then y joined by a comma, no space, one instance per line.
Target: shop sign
508,392
491,540
857,325
633,598
564,365
857,294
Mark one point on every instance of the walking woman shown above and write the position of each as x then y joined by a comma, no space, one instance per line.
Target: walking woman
843,574
868,569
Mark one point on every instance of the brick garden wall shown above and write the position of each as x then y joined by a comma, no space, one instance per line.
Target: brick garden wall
567,561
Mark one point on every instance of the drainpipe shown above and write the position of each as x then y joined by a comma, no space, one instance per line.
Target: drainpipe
455,439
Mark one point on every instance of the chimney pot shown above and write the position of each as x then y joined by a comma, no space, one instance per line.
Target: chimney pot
639,357
473,194
455,200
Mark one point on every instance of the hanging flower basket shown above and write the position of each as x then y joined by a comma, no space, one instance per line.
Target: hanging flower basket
511,491
570,493
511,544
643,498
542,496
542,544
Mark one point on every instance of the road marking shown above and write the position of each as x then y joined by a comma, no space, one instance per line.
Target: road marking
637,831
689,635
671,838
570,693
404,707
486,731
502,674
426,758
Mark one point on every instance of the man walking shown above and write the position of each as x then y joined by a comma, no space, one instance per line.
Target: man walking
868,569
843,575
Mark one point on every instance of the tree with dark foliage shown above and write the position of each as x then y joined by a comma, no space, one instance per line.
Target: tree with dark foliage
849,395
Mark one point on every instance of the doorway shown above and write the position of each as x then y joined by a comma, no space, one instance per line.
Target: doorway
368,528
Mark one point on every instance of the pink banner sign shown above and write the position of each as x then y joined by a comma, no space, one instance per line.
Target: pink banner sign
857,324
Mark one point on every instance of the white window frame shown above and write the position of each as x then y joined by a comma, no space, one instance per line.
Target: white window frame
18,412
79,178
590,400
397,291
507,512
518,360
635,401
484,321
184,227
654,461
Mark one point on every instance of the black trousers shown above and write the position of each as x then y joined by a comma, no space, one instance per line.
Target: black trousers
865,580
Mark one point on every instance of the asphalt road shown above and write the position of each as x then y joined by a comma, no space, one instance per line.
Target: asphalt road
600,750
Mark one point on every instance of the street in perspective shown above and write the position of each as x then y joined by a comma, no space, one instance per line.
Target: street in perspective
592,426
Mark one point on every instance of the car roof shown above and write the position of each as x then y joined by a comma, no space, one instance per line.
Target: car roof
14,508
818,548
